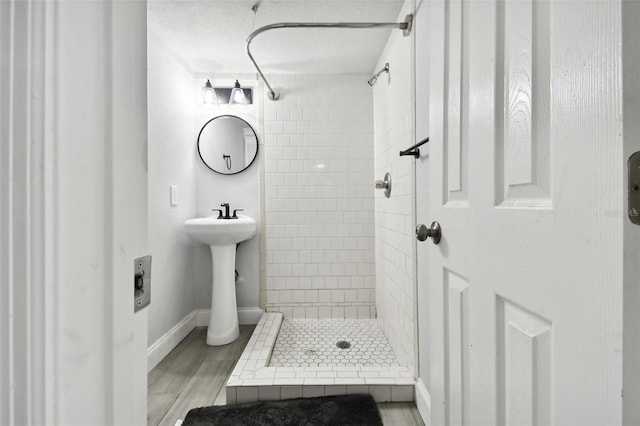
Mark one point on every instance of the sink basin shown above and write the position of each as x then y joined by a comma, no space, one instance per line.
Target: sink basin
222,235
220,232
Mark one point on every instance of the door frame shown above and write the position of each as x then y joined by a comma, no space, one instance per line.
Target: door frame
631,233
421,28
73,126
29,291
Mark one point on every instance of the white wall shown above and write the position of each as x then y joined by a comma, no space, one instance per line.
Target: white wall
241,191
182,270
171,162
319,197
395,216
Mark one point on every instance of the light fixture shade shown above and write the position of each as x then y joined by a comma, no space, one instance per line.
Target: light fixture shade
208,94
237,95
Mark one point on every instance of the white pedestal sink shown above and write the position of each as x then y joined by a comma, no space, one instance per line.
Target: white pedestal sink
222,235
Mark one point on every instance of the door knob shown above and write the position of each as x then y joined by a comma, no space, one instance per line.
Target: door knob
435,232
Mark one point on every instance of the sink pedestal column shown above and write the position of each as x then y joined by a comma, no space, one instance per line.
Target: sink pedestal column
223,325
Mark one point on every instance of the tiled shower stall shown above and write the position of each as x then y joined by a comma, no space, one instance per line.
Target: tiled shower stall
338,257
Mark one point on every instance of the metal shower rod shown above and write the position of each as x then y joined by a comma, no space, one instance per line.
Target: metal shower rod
273,95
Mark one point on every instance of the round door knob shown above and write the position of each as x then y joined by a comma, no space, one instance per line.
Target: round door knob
435,232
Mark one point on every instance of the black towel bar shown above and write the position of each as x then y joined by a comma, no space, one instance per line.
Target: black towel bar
414,149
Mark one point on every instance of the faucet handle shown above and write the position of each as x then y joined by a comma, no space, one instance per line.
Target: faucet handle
235,213
224,205
219,212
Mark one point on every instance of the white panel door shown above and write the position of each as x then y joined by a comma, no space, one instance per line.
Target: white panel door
526,181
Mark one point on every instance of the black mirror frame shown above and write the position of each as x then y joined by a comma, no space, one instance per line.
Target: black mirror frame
248,165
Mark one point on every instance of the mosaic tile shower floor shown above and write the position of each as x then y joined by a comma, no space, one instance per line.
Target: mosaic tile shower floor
312,343
254,379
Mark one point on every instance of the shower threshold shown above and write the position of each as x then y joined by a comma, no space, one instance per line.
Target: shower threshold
268,370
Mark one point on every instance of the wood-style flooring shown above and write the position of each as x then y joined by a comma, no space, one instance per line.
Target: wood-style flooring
194,374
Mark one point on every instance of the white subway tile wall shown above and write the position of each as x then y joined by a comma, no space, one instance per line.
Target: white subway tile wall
319,197
395,216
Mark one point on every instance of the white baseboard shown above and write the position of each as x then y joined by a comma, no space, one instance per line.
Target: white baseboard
246,316
423,402
203,317
249,316
198,318
161,347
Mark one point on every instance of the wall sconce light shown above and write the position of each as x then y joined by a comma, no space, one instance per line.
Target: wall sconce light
208,94
237,95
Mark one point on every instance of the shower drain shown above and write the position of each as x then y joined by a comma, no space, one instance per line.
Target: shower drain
343,344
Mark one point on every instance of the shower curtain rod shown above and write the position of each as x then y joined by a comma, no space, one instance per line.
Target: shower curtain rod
273,95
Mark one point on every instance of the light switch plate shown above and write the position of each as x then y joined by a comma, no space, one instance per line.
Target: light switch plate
173,197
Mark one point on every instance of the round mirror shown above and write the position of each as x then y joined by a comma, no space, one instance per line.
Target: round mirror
227,144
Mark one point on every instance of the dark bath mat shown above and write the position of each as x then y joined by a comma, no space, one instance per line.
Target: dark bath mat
343,410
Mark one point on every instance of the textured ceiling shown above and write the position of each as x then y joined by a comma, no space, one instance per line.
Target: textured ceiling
209,36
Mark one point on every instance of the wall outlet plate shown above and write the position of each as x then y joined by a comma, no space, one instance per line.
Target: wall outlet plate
141,282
